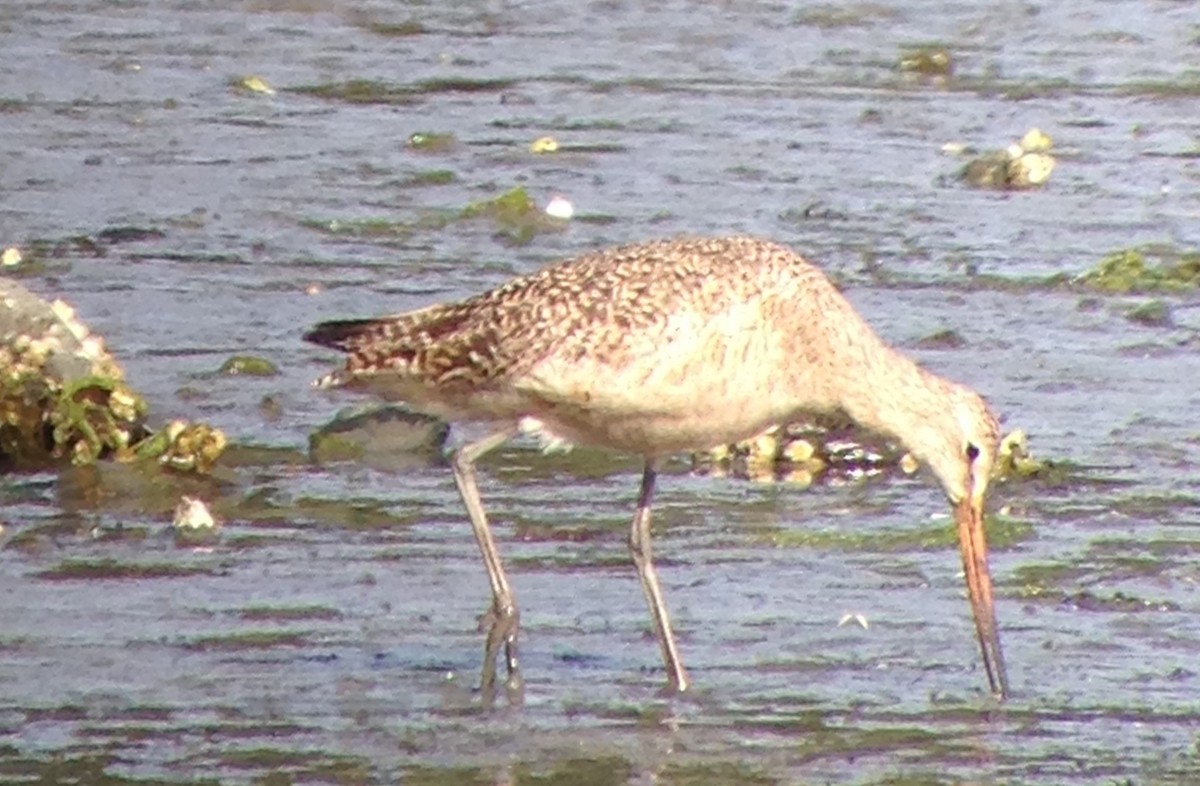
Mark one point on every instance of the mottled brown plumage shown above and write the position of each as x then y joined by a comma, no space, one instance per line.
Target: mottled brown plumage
663,347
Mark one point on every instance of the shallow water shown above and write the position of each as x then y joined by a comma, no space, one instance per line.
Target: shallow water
328,635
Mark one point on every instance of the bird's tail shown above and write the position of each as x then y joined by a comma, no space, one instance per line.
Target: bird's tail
343,334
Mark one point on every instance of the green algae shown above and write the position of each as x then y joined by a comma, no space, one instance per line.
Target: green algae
245,455
96,569
1076,583
714,774
187,447
515,215
827,16
593,148
461,775
330,448
946,338
432,142
1117,602
360,91
1127,272
429,177
377,91
74,767
1086,600
250,84
932,60
94,416
576,771
1153,313
857,742
1160,548
1023,90
248,365
114,235
1187,86
560,123
383,228
248,640
286,766
1002,532
288,613
511,206
94,245
1038,577
258,509
405,29
463,85
574,562
595,219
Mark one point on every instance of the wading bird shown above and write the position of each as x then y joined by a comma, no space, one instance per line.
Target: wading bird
663,347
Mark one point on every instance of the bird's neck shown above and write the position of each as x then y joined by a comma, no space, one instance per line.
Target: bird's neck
839,363
888,393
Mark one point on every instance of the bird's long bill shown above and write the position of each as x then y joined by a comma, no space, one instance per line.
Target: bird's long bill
968,514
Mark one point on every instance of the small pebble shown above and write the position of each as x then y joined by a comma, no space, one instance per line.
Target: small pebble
192,514
859,618
1035,141
560,207
254,84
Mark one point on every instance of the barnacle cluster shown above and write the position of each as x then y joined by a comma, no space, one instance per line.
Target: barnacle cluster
927,61
1022,165
799,453
802,452
1015,461
63,396
190,447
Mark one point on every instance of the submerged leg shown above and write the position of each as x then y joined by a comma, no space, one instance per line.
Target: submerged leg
502,618
639,548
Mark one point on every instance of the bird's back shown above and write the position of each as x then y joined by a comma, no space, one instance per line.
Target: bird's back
680,343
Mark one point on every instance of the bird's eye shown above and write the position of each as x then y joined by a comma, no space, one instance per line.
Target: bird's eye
972,452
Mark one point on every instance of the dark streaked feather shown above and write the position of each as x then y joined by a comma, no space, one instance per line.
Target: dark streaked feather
342,333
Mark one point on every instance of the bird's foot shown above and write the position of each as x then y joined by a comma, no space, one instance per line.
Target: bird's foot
502,623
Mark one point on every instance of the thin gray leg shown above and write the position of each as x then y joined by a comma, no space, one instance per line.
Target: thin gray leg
502,618
639,548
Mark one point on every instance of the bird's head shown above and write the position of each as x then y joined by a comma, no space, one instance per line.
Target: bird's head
964,449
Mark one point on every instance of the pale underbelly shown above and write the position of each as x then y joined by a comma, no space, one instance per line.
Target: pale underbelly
651,434
662,422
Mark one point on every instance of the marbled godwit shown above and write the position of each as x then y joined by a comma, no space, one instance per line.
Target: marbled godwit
659,348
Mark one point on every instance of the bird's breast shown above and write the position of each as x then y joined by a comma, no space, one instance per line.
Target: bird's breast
686,392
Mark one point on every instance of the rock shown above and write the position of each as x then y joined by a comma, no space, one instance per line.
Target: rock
384,437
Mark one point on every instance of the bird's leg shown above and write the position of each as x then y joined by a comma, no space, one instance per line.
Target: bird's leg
639,548
502,618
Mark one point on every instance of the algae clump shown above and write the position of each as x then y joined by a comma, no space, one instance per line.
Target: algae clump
249,365
515,214
1126,272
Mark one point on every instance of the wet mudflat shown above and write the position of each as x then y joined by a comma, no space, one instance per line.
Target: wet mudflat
327,634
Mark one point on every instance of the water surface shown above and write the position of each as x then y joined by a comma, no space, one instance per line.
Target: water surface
328,636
